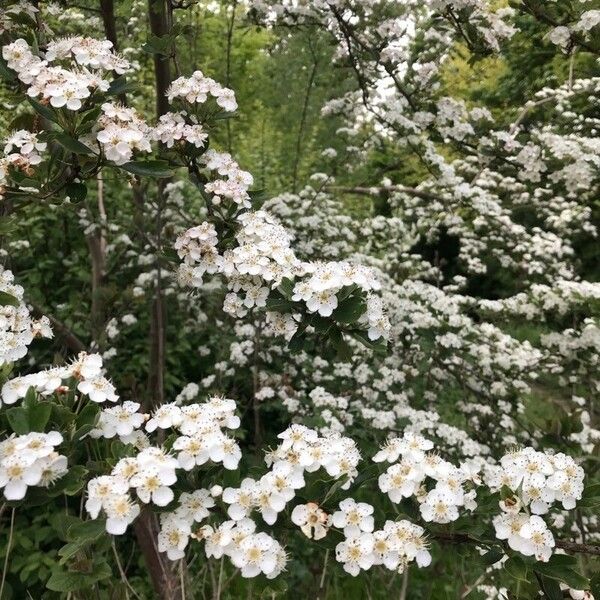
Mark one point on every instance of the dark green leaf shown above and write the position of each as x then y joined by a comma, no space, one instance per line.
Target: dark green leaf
298,341
88,415
515,566
120,86
551,588
65,581
86,530
76,191
149,168
280,305
71,483
71,144
286,287
350,310
590,497
563,573
43,110
17,419
492,556
8,300
5,72
38,416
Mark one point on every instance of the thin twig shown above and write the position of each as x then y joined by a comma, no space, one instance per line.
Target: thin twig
404,587
122,571
8,548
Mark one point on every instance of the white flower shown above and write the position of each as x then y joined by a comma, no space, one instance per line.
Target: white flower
538,539
195,506
173,536
101,489
120,512
401,480
268,498
118,420
312,520
241,500
16,473
439,506
356,553
151,485
98,389
354,517
164,417
322,302
255,554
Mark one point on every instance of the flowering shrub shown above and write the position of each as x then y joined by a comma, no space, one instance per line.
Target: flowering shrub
384,381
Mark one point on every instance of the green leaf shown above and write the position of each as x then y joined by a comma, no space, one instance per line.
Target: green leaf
551,588
286,288
298,341
162,45
377,346
70,550
257,198
515,566
64,581
38,415
8,300
88,415
17,419
595,584
91,116
90,571
86,530
71,144
5,72
558,569
590,497
506,493
120,86
71,483
492,556
350,310
76,191
43,110
280,305
149,168
321,324
343,350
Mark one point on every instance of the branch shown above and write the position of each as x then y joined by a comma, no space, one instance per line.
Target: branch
302,125
465,538
69,338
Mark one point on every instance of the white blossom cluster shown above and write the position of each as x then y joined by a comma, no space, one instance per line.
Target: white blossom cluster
22,151
537,480
395,546
121,131
15,9
583,26
172,127
30,460
407,477
87,52
197,88
253,553
262,259
201,426
86,370
17,327
55,84
152,471
234,188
